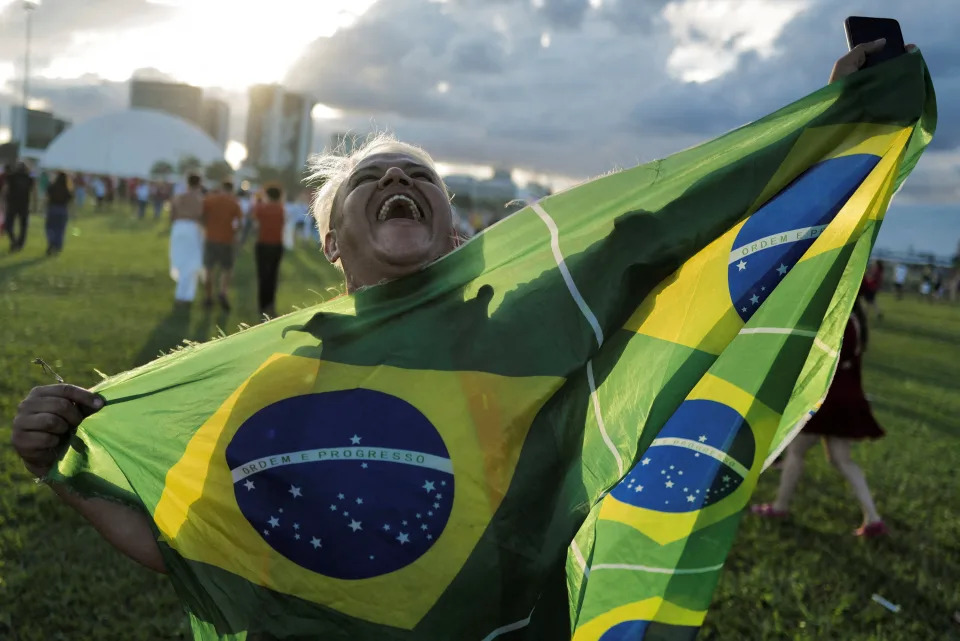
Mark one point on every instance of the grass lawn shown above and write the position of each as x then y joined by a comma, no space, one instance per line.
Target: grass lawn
106,303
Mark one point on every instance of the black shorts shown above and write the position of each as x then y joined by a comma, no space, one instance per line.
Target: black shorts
218,255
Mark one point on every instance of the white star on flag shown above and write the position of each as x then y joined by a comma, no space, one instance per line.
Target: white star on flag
355,525
296,526
386,527
645,461
690,498
423,527
315,542
782,269
754,299
430,513
436,506
743,309
296,536
340,496
726,477
359,501
249,485
429,537
639,488
274,521
355,440
669,484
295,491
403,537
438,496
428,486
364,465
333,508
703,438
742,265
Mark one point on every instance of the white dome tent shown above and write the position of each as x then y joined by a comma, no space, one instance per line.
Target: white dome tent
127,143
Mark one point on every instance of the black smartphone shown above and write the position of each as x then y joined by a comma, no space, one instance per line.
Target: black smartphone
860,30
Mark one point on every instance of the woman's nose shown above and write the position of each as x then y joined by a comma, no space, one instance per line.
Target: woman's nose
394,174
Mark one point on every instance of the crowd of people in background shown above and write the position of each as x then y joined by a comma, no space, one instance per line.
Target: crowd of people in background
207,226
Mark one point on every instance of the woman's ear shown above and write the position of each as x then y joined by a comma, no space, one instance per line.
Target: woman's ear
330,248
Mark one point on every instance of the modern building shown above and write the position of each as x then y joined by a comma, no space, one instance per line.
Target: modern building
128,144
176,99
215,120
279,129
42,127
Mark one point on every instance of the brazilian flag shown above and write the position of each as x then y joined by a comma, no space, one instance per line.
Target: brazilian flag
549,433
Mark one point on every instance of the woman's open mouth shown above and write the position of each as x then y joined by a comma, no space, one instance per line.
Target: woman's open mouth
400,207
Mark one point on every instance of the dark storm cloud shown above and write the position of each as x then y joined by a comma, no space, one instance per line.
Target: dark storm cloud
564,14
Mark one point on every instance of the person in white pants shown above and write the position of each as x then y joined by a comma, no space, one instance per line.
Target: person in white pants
186,241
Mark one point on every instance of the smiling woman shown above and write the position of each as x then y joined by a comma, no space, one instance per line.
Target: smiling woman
382,211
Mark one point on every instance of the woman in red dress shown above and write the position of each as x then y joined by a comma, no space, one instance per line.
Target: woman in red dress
844,417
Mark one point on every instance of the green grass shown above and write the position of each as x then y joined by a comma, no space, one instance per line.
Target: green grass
106,303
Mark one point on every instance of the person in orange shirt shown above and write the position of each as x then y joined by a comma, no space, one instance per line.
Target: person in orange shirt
270,218
221,219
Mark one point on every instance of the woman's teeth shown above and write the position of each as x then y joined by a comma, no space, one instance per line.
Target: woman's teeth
400,199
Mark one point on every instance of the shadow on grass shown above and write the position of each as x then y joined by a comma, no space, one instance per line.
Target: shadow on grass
8,271
175,327
940,423
917,330
931,375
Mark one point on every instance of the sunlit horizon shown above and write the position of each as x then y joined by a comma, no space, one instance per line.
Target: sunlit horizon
240,47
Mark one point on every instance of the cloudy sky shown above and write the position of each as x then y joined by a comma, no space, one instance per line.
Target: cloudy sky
561,88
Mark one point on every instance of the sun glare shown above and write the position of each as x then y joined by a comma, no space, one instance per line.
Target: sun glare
206,45
235,154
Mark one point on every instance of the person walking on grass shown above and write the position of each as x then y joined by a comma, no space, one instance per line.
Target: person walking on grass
843,418
58,198
872,283
19,188
142,193
270,219
221,219
900,279
186,241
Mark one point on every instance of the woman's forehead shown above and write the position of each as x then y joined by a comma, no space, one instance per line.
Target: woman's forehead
387,159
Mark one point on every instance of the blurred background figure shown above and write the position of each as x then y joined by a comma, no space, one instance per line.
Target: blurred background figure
221,220
270,220
58,201
79,190
872,284
142,197
186,241
843,418
18,190
99,192
900,279
159,193
3,196
926,283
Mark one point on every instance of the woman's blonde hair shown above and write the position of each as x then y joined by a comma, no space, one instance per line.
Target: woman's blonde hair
333,167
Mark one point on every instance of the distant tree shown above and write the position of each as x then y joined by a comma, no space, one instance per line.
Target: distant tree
291,181
161,169
189,164
218,171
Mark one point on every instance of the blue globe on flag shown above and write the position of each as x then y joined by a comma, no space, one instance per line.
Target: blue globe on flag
350,484
701,455
775,237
